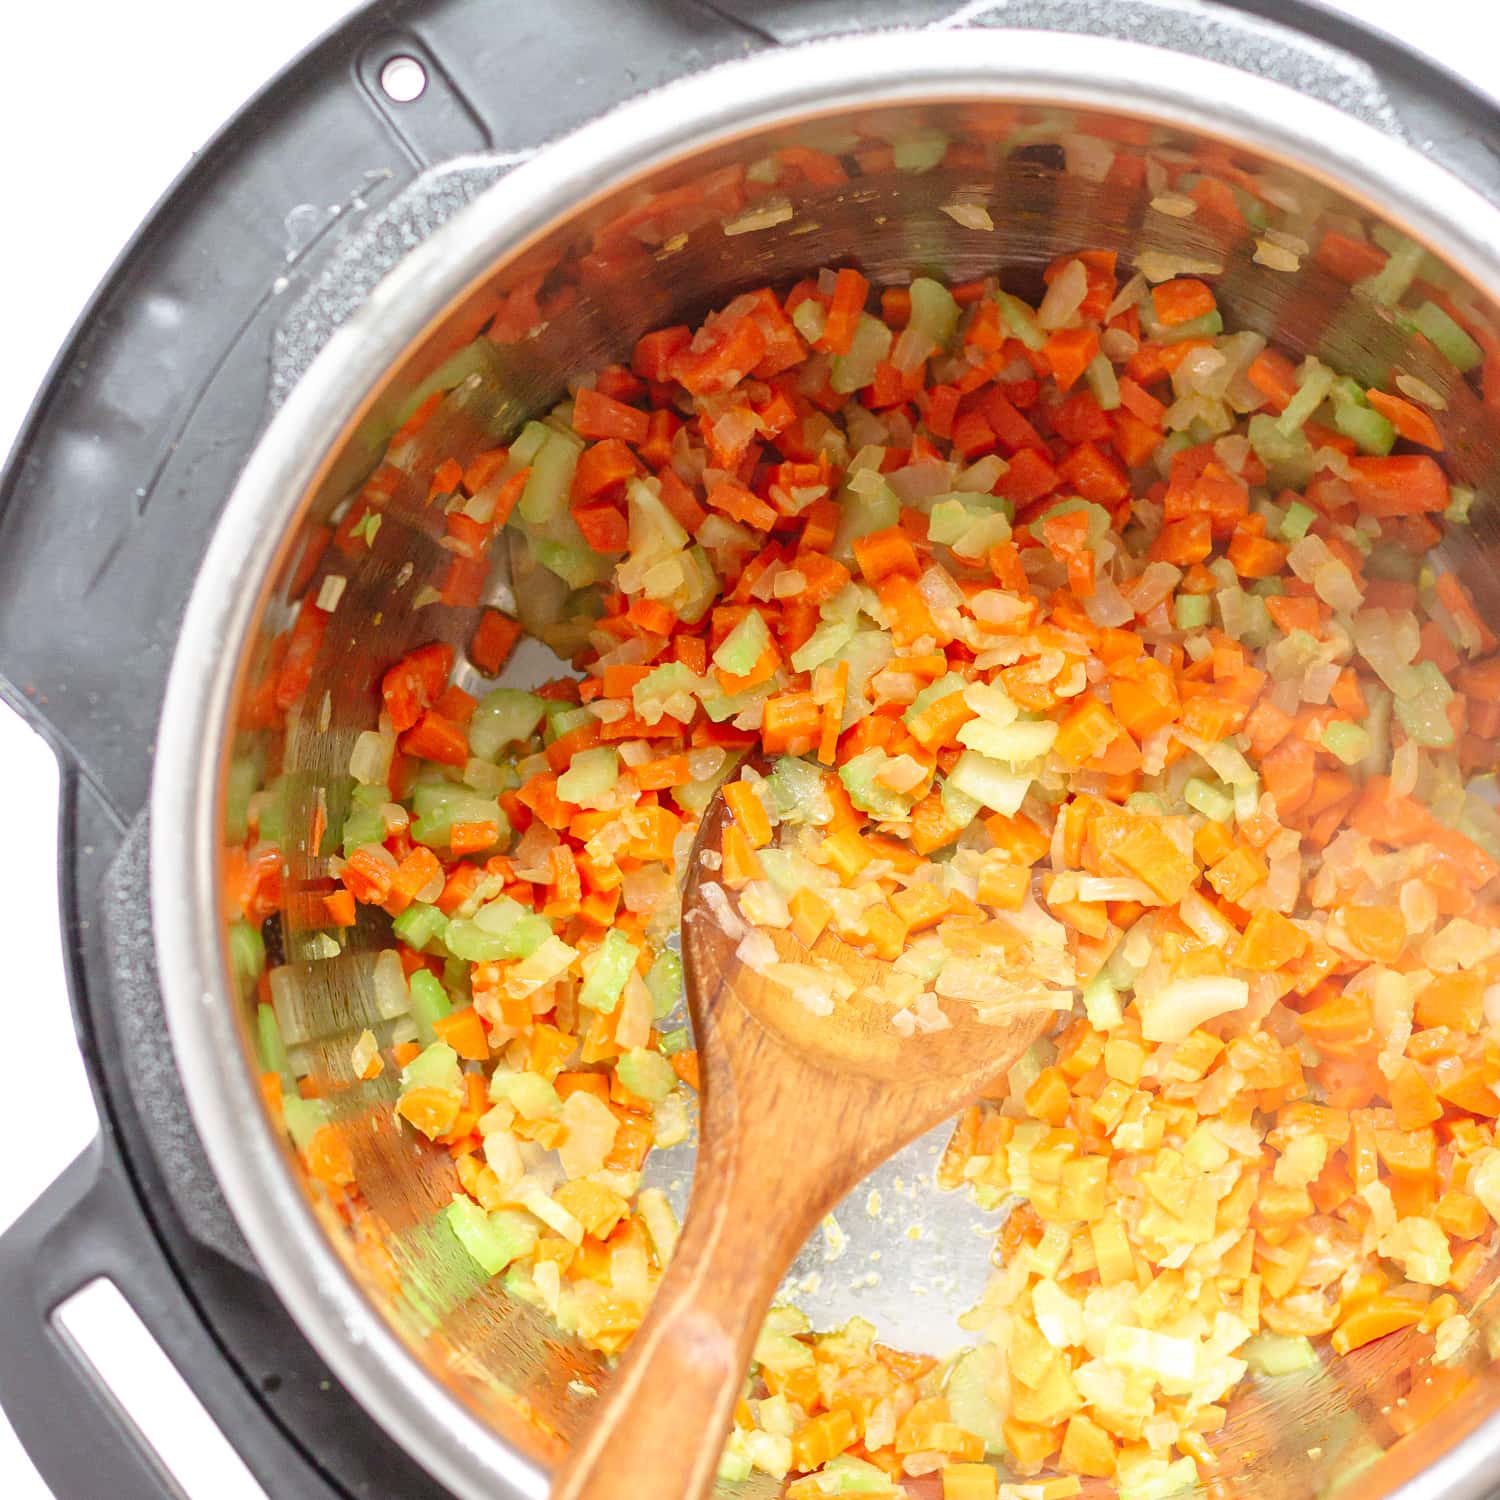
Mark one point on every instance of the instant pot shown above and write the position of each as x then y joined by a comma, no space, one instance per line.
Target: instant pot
228,393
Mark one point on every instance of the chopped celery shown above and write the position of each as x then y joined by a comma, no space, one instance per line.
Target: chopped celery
934,313
1349,742
740,650
504,717
365,825
591,775
795,793
859,777
1460,502
719,705
517,932
1211,800
1101,1003
975,1373
1103,382
665,983
696,795
866,654
563,718
1424,711
945,686
809,319
654,531
1389,284
1314,382
671,680
1208,325
997,786
1021,320
614,963
959,808
435,1067
859,515
532,1097
247,951
551,478
673,1042
1191,611
242,781
1015,744
273,1053
919,150
440,804
646,1074
855,370
304,1118
492,1240
469,941
1295,522
830,637
1357,420
1446,336
429,1000
419,924
1278,1354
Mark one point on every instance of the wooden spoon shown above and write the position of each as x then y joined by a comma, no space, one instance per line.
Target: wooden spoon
795,1109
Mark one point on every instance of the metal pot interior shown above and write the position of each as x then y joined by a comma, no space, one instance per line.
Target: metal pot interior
964,186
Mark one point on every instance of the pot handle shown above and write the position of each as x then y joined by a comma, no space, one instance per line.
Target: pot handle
88,1225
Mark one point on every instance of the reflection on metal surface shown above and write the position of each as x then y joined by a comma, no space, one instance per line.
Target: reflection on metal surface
963,155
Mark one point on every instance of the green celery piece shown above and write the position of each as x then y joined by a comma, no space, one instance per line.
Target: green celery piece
944,687
517,932
564,720
860,515
959,808
866,654
1357,420
974,1374
438,805
809,319
719,705
855,370
740,650
578,566
435,1067
1101,1002
934,312
365,825
1423,713
696,795
243,780
1460,502
661,683
247,951
858,776
1295,522
551,478
531,1095
493,1240
304,1118
1103,382
987,781
664,980
1014,744
1207,325
1209,799
1314,382
673,1042
795,791
1278,1354
591,774
273,1053
506,716
1021,320
429,1000
419,924
1447,337
1192,611
479,358
828,638
646,1074
1389,284
919,150
613,965
1349,742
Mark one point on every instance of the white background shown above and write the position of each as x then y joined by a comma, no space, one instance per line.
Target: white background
100,108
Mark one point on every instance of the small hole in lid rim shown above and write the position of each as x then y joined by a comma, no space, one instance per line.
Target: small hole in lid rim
403,79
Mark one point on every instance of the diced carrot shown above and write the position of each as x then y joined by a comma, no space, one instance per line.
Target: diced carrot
463,1030
493,642
1409,420
1181,300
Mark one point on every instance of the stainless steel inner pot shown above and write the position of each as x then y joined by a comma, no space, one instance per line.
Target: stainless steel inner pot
964,152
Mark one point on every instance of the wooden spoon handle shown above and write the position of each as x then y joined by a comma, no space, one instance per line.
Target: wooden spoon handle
659,1427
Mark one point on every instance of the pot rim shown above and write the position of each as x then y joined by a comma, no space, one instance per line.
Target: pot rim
670,124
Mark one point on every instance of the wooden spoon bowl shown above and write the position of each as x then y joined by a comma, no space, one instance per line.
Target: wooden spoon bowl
795,1109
